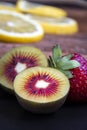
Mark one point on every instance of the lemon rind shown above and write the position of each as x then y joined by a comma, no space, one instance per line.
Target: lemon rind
41,10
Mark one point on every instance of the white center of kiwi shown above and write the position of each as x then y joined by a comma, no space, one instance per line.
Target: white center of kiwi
20,67
41,84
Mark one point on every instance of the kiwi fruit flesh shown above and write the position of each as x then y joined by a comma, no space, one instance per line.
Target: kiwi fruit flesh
17,60
41,89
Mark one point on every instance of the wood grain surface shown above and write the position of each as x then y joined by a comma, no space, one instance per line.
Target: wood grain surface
69,43
80,3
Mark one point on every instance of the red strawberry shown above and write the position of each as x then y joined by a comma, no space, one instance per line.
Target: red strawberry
78,83
74,66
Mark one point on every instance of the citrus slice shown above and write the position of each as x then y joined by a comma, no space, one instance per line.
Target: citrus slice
38,9
62,25
15,27
7,6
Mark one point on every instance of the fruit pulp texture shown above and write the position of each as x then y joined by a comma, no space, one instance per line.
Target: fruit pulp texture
13,24
50,20
41,85
17,64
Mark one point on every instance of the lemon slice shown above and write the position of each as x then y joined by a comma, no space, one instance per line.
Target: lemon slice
38,9
62,25
7,6
15,27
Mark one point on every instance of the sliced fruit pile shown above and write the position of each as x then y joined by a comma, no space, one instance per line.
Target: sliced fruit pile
53,20
39,9
43,84
16,27
38,88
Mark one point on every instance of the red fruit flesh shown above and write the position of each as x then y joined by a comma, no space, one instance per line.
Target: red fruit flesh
50,83
10,71
78,84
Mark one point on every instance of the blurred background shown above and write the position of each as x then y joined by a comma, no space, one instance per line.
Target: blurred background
62,2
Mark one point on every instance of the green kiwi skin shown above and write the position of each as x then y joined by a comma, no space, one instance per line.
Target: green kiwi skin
8,90
41,108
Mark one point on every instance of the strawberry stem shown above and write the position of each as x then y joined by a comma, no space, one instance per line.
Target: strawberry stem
62,63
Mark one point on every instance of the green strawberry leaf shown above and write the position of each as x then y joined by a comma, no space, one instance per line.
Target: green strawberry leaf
67,73
51,62
56,53
67,57
62,63
70,65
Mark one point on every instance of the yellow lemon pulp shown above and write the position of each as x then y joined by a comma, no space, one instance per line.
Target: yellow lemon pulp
15,27
62,25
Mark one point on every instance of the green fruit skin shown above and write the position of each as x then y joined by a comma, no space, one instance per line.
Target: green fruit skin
8,90
41,108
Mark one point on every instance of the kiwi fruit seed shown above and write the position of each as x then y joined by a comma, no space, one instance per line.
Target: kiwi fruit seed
41,89
17,60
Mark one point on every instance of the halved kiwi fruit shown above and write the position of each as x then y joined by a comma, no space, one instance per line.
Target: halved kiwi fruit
41,89
17,60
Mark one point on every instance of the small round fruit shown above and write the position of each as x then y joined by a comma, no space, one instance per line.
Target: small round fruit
41,89
18,59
